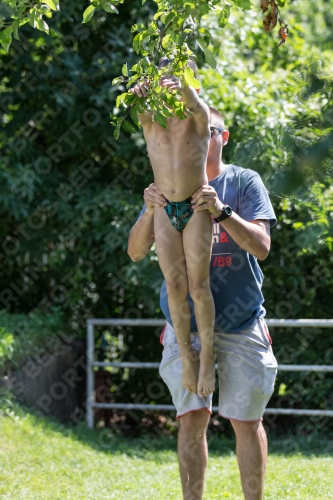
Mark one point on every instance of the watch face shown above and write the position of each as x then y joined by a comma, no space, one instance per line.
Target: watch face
227,210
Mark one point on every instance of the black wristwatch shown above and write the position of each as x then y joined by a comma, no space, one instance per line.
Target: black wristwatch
225,214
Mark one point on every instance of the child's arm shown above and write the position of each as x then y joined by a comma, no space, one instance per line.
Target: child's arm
190,97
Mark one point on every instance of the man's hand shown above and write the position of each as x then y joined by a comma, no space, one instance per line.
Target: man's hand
205,198
140,89
153,198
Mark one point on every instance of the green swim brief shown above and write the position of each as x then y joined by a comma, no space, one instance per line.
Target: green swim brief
179,212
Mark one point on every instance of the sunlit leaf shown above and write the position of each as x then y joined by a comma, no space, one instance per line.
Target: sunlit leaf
42,25
224,16
110,8
88,13
167,41
189,78
117,80
53,4
243,4
138,27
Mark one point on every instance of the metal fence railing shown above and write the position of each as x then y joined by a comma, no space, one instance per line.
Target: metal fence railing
91,364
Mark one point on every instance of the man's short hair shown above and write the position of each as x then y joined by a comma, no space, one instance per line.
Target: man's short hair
218,117
164,61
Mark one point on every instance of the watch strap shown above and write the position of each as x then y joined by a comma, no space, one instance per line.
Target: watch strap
225,214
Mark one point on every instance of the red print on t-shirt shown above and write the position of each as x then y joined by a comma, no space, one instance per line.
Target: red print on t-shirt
220,261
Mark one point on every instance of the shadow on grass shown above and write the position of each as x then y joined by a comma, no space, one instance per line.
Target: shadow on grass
148,447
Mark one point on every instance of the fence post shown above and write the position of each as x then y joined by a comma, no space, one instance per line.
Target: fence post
90,375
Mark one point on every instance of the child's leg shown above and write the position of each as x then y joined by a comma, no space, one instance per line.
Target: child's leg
170,252
197,242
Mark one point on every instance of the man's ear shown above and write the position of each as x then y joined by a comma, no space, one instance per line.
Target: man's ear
225,137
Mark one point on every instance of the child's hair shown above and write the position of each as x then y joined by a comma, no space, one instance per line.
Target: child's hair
164,61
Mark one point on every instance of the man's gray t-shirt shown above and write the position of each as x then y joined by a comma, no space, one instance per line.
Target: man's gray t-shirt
236,278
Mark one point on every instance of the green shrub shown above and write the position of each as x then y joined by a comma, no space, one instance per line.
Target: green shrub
24,336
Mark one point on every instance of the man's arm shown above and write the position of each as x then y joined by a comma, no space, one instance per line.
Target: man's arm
141,237
253,236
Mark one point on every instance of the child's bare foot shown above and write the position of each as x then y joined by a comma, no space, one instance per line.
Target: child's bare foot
206,382
189,376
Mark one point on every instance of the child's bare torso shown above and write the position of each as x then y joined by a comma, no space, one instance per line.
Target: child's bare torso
178,156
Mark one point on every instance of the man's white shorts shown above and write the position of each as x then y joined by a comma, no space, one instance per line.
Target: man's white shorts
246,372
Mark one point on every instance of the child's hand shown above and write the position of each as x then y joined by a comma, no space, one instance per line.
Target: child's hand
170,81
140,89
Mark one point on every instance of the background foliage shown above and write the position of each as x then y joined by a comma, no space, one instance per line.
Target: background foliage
70,193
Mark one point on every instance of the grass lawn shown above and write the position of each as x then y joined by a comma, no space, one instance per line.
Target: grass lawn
41,459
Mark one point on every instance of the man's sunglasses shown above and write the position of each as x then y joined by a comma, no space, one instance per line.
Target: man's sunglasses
212,129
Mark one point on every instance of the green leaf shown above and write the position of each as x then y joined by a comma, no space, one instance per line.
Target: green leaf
53,4
138,27
111,9
137,42
158,14
209,56
191,5
169,17
170,99
181,20
224,16
44,9
120,99
125,99
117,122
160,119
15,27
243,4
129,127
189,78
167,112
124,70
179,108
6,38
41,25
118,80
167,41
88,13
23,21
134,114
134,78
32,18
116,132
